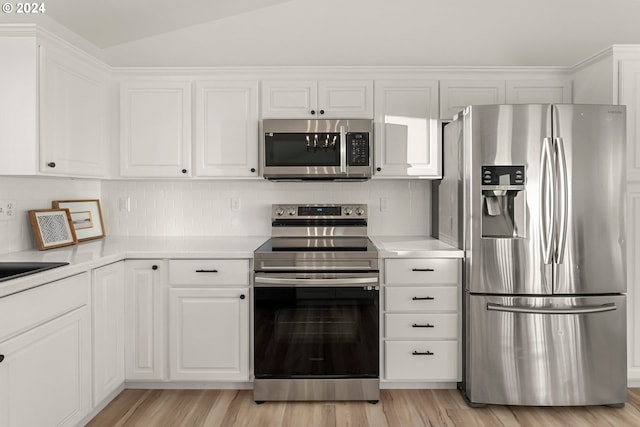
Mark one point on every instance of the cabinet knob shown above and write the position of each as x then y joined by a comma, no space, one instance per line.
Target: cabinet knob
242,296
184,171
321,111
378,169
1,357
155,267
253,169
313,112
51,164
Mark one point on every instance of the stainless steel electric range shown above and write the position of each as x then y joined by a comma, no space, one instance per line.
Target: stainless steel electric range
316,306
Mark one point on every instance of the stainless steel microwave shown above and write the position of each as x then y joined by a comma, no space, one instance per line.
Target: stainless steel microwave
298,149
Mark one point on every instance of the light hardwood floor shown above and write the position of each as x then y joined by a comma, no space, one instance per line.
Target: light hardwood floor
401,408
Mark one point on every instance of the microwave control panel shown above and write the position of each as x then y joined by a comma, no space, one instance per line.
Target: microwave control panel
358,149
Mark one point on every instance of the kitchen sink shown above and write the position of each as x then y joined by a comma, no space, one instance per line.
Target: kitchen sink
12,270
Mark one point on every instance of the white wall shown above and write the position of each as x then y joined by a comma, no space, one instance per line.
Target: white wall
203,208
399,32
36,193
593,81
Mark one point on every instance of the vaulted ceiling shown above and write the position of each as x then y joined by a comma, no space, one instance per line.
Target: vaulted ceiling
346,32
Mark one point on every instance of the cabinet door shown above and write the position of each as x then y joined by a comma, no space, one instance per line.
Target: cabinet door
144,319
73,115
155,129
227,128
289,99
538,92
406,141
351,99
457,94
45,374
209,334
108,330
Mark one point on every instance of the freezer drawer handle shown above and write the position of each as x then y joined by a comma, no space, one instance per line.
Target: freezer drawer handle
552,310
423,269
206,271
422,298
428,325
422,353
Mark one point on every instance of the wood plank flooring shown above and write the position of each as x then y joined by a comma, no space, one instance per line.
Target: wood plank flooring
397,408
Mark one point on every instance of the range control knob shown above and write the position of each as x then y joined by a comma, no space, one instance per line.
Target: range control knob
291,211
347,211
279,211
359,211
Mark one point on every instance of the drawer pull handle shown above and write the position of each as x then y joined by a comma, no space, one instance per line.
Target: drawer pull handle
422,298
242,296
154,267
423,269
1,357
206,271
422,353
428,325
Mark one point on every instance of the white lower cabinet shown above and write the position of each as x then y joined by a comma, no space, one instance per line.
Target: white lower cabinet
209,320
108,330
421,340
45,371
209,334
144,319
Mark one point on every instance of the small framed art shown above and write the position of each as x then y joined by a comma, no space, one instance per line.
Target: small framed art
52,228
86,217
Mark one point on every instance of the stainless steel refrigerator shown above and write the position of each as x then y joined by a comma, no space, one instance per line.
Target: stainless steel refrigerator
534,194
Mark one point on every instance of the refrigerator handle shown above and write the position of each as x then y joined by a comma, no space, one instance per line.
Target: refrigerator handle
552,310
563,199
547,201
343,149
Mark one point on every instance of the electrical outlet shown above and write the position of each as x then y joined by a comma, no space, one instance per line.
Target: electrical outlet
384,204
124,204
235,204
7,209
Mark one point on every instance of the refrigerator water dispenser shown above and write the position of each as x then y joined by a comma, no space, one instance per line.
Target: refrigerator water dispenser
503,202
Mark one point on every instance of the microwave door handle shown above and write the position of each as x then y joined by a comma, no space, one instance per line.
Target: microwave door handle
343,149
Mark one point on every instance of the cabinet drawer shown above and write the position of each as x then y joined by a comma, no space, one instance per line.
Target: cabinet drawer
21,311
209,272
421,325
434,361
420,298
421,270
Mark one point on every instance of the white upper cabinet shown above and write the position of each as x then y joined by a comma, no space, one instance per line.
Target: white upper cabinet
53,110
155,129
304,99
406,129
73,115
226,128
538,92
457,94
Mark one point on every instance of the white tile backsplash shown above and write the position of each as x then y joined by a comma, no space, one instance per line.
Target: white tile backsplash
36,193
194,208
203,208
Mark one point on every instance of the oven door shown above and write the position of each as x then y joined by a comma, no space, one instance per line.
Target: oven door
316,326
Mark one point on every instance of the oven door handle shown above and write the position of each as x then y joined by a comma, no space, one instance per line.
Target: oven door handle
275,281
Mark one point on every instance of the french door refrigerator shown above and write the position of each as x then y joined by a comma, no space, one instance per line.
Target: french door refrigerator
534,194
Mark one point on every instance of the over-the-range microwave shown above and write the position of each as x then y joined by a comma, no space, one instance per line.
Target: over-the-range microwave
329,149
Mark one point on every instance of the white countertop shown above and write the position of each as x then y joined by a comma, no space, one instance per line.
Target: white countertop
92,254
414,247
95,253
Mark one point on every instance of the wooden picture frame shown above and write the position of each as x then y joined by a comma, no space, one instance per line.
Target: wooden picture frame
52,228
86,217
